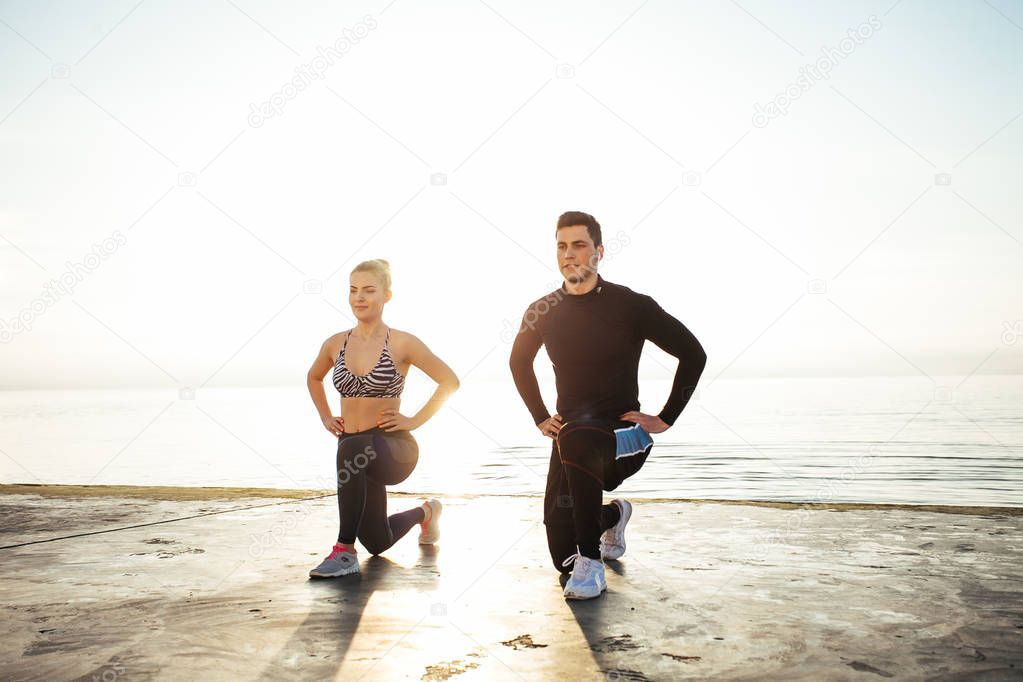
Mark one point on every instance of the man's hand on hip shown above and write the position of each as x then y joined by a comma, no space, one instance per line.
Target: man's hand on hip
550,426
651,422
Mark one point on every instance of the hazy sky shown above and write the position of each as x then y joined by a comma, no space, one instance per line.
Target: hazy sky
806,202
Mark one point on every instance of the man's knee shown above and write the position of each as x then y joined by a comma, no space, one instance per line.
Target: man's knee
561,544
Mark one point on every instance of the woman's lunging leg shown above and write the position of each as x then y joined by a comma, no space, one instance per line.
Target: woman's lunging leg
393,459
353,459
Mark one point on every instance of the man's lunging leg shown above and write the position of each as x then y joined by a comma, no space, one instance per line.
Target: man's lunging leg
585,448
558,517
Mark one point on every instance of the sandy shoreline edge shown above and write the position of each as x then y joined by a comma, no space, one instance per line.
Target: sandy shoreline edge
183,493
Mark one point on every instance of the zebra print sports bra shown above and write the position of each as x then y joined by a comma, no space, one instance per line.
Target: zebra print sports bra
383,381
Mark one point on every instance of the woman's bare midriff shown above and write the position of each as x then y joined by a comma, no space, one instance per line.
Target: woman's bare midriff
361,414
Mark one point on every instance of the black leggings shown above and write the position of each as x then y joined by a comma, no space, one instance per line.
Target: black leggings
583,465
366,462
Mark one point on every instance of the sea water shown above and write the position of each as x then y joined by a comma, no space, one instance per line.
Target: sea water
913,440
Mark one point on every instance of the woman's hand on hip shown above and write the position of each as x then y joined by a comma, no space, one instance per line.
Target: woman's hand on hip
392,420
336,425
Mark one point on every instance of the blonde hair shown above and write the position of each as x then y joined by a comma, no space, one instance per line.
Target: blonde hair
379,267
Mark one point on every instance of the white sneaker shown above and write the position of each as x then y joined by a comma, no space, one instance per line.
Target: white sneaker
429,530
612,540
587,579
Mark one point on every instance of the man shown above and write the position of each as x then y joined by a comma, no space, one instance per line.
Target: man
594,332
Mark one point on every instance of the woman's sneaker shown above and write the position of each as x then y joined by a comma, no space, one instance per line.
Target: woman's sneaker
429,529
587,579
612,540
340,561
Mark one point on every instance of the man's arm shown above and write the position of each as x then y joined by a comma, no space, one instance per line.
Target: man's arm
524,349
673,337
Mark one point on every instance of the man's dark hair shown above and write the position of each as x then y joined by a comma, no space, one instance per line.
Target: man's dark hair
570,218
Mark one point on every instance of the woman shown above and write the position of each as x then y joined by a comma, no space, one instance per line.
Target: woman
375,447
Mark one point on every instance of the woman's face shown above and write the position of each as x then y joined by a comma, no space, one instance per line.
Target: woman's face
366,295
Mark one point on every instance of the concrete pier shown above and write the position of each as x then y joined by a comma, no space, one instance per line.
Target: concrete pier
169,583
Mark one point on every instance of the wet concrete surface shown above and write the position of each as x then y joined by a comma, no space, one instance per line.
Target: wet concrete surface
705,591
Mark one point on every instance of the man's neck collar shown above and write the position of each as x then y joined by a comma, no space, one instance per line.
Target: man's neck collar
595,290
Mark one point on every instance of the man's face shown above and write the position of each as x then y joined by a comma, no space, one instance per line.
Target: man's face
577,256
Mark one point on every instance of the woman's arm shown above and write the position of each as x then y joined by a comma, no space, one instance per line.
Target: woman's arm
323,363
447,383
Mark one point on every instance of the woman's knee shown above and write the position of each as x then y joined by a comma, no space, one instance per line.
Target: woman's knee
375,545
374,548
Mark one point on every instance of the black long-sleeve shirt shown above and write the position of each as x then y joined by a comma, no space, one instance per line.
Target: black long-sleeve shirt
594,341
